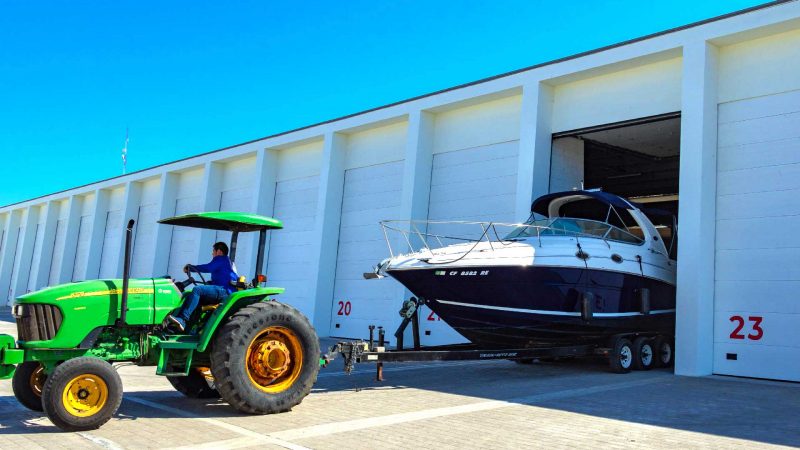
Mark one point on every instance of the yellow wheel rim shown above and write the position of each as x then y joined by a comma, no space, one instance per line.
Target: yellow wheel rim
85,395
274,359
37,380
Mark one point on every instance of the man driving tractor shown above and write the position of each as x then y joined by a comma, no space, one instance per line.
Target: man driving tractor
220,287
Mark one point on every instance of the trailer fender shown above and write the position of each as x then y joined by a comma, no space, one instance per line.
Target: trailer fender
236,301
10,356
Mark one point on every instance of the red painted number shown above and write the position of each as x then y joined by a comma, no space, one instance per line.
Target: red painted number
736,334
344,308
433,317
757,333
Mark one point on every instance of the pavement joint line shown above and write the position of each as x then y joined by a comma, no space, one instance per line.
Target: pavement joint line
257,437
103,442
393,419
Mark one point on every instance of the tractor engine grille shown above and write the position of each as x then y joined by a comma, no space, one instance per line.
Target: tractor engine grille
37,322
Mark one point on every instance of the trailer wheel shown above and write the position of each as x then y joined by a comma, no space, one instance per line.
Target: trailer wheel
265,358
82,394
621,358
664,351
196,384
643,353
27,384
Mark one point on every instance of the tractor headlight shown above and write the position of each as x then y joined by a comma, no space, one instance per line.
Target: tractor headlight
18,311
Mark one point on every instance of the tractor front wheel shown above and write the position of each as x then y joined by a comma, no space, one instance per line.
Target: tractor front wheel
266,358
196,384
82,394
27,384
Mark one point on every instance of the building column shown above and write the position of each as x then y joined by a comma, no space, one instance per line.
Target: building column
264,196
326,231
130,210
163,233
694,331
535,142
417,166
98,234
73,223
42,273
8,257
211,192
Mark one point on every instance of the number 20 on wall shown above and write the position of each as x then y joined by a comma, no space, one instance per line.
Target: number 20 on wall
756,333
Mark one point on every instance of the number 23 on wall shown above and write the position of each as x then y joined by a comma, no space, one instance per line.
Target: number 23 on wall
757,332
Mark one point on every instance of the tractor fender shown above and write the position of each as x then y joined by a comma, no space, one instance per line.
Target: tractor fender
9,356
235,302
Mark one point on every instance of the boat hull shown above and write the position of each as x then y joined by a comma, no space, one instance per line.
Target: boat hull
523,306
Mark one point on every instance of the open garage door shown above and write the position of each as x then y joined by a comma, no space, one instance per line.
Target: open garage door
371,194
756,331
290,248
475,184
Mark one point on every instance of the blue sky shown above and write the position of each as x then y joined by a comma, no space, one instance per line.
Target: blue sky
188,77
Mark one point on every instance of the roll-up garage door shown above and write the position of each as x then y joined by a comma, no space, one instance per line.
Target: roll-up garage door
36,259
111,245
239,200
472,185
82,249
756,332
290,248
15,268
185,241
371,194
58,252
142,251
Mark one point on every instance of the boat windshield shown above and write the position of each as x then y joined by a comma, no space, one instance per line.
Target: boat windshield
567,226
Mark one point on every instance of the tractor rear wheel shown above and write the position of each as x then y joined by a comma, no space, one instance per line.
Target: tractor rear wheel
27,384
82,394
265,358
196,384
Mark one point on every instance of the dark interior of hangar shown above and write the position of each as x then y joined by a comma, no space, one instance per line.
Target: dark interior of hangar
638,160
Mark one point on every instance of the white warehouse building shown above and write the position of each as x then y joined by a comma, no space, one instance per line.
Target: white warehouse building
703,119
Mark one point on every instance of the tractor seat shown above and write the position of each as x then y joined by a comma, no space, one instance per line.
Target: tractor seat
205,308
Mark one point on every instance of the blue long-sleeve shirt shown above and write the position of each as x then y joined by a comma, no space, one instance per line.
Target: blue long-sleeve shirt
222,272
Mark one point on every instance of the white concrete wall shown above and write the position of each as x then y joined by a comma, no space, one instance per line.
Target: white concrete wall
376,146
628,94
477,125
764,66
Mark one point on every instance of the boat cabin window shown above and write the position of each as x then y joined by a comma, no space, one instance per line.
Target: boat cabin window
584,218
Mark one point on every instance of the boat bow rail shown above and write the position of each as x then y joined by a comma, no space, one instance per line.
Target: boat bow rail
453,240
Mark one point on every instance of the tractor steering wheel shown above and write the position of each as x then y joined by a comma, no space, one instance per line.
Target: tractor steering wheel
190,268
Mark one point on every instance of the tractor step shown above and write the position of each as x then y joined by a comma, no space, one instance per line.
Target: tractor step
176,354
180,341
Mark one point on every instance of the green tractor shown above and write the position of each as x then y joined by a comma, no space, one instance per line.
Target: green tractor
257,354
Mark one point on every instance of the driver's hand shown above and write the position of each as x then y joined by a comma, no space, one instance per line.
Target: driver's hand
186,269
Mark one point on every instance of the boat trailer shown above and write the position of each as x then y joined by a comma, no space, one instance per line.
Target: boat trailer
375,351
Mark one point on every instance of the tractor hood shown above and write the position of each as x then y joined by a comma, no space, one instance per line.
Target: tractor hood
62,316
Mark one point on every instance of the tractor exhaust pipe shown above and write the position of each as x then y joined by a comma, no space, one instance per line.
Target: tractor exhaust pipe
126,274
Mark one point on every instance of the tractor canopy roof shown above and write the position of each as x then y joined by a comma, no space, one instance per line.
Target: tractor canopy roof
226,221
